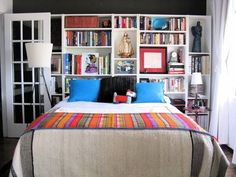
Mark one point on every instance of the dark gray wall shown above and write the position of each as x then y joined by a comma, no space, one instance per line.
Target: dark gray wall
193,7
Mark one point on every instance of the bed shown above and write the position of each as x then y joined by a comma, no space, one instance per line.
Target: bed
97,139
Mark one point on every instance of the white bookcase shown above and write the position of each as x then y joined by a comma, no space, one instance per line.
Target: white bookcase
146,31
204,57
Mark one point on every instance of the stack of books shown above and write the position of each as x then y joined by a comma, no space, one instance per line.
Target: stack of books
176,68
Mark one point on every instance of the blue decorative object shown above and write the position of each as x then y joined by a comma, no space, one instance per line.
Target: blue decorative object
84,90
160,24
151,92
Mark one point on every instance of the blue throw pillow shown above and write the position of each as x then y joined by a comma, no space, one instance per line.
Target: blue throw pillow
84,90
150,92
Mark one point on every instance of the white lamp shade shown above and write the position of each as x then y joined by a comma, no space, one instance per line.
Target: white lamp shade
196,78
39,54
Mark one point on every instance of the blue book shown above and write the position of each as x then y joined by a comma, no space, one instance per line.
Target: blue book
67,63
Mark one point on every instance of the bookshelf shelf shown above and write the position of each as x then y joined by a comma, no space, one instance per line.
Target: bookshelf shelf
160,75
88,47
86,29
162,45
125,59
125,74
161,31
173,93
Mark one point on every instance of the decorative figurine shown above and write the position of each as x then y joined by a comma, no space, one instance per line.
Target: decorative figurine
197,33
125,49
124,98
173,57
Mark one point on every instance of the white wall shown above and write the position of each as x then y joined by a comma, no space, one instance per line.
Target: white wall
6,6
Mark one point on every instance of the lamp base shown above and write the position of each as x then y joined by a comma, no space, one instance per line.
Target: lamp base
195,105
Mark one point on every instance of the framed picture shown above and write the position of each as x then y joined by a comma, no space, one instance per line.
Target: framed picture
90,63
56,64
153,60
125,67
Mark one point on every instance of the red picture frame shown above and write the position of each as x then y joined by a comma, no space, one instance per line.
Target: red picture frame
153,60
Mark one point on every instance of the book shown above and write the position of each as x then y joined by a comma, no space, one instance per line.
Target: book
176,68
104,64
78,64
56,64
81,22
67,63
90,63
53,85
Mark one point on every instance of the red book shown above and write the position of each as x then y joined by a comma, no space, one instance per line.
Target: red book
81,22
78,64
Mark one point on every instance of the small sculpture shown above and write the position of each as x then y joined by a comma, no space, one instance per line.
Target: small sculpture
125,49
197,33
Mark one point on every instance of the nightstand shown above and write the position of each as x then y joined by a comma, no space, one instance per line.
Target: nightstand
197,112
179,104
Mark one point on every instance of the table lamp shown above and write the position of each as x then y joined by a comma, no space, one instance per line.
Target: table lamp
195,81
39,56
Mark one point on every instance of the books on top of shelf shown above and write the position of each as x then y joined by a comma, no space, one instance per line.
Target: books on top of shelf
162,38
199,88
175,68
125,22
199,64
81,21
173,84
88,38
104,64
163,23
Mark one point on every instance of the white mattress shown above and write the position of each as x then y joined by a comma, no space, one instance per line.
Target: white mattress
96,107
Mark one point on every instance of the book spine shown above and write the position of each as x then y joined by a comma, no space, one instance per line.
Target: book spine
67,63
78,64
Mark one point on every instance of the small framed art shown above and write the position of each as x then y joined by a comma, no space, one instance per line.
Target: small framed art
153,60
90,63
56,64
125,67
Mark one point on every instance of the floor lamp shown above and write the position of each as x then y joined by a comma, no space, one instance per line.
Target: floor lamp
39,56
196,81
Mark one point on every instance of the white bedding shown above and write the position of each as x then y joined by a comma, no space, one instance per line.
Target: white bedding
96,107
112,152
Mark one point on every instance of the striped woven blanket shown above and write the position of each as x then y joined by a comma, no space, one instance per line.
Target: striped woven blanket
61,120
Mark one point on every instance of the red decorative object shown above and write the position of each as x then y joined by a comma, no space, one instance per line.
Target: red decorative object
153,60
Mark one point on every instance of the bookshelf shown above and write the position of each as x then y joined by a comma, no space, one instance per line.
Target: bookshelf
200,62
124,24
101,35
169,32
57,59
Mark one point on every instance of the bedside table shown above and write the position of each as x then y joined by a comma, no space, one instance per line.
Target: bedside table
179,104
197,112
